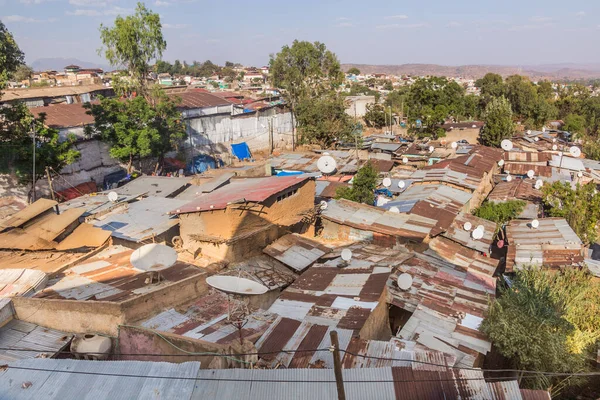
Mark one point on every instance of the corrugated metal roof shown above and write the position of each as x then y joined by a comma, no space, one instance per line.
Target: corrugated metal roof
307,162
140,220
565,162
64,115
77,379
208,185
462,256
390,147
527,156
459,234
21,282
369,218
553,243
56,91
109,276
523,169
192,99
244,189
96,204
296,252
519,189
156,186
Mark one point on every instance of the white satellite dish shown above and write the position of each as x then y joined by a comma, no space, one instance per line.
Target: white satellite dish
467,226
554,140
394,209
501,162
536,138
530,173
326,164
579,174
480,228
326,153
153,257
554,147
405,160
431,149
454,145
473,126
113,197
477,234
529,131
508,178
323,205
535,223
575,151
401,184
346,254
506,145
235,285
404,281
387,182
539,183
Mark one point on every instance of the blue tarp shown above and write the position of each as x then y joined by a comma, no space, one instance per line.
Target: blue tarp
201,163
241,151
288,173
384,191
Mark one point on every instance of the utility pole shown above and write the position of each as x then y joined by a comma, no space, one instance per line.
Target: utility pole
33,172
50,183
337,365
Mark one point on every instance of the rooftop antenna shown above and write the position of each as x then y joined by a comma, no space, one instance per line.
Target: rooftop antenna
387,182
346,255
323,205
535,224
508,178
530,174
477,234
575,151
404,281
506,145
431,149
501,162
467,226
454,145
538,184
405,160
401,184
554,147
326,165
113,197
153,258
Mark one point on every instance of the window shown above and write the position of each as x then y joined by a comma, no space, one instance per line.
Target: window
286,195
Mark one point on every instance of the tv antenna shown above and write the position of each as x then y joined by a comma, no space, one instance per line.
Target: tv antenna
387,182
467,226
405,160
454,145
575,151
326,165
404,281
506,145
401,184
538,184
153,258
530,174
535,224
113,197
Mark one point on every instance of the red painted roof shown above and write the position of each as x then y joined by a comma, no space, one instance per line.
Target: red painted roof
249,189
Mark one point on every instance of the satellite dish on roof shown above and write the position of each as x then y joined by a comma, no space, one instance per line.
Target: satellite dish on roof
501,162
394,209
579,174
481,228
153,257
346,254
575,151
401,184
508,178
387,182
326,153
554,147
539,183
113,196
530,173
506,145
477,234
535,223
454,145
323,205
236,285
405,160
536,138
467,226
404,281
431,149
529,131
326,164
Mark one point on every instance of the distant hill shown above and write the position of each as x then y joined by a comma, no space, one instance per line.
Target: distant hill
549,71
58,64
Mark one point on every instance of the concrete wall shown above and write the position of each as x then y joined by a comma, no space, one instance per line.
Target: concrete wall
137,340
377,326
102,316
214,134
357,105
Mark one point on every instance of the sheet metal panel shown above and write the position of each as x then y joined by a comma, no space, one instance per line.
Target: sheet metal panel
28,213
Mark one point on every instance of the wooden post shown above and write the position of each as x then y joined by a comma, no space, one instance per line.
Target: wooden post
337,366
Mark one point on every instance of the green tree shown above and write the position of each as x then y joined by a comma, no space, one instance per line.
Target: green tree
229,64
163,67
177,67
323,120
500,213
363,186
545,90
521,94
353,71
574,124
546,321
22,73
304,70
135,128
10,55
471,107
376,116
134,41
579,206
498,122
491,85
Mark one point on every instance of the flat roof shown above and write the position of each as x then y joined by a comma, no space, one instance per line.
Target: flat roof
56,91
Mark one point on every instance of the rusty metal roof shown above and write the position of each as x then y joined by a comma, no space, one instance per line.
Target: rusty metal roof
369,218
462,256
328,189
43,342
440,175
264,270
447,302
527,156
56,91
522,169
480,162
552,244
307,162
456,232
295,251
195,99
109,276
516,189
64,115
243,189
21,282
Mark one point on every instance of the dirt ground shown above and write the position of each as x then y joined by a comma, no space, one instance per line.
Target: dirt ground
470,135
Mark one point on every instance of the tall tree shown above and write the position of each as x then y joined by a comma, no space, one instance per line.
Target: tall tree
323,120
10,56
304,70
376,116
22,73
521,94
133,42
363,186
177,67
498,122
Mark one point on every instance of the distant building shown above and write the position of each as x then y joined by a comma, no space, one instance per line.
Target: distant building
356,106
72,69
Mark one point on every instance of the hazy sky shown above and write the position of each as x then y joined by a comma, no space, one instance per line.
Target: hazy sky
525,32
